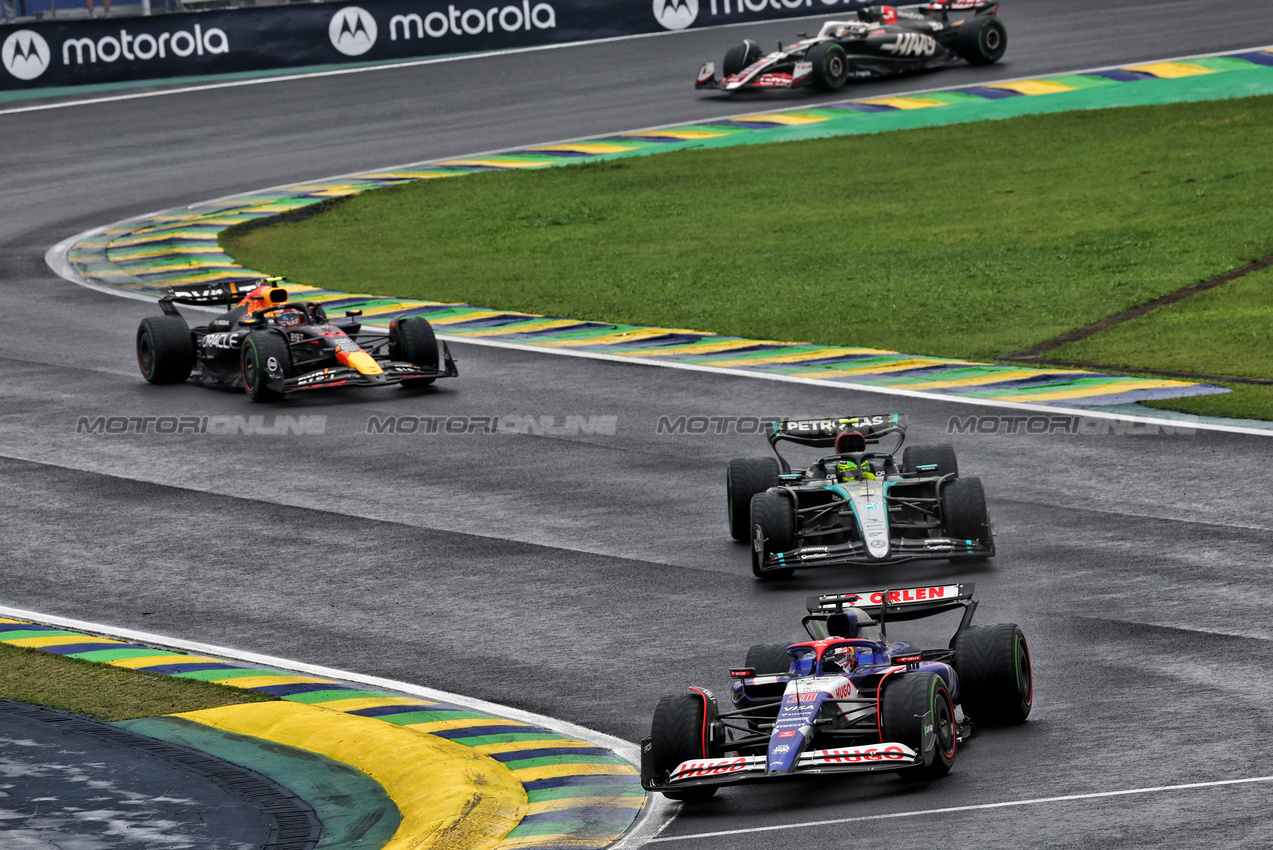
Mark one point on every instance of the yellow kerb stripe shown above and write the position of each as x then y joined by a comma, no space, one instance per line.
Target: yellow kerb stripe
1171,70
448,795
1031,87
1105,389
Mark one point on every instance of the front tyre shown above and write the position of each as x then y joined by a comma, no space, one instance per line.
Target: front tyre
412,339
906,699
266,362
941,456
739,57
981,40
830,66
996,682
676,735
963,510
744,478
773,529
165,349
769,659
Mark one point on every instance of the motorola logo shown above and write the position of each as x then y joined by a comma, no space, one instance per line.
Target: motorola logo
25,54
352,31
675,14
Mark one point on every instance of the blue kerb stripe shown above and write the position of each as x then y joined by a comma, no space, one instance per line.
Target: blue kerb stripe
479,731
306,688
168,669
75,648
574,781
522,755
388,710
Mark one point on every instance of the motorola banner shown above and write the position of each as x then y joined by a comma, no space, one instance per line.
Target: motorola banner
216,42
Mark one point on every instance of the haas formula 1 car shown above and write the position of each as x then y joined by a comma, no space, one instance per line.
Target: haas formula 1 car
847,700
270,346
854,506
880,42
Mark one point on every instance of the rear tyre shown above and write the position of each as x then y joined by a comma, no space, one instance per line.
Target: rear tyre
165,349
739,57
942,454
981,41
830,66
412,339
744,478
906,699
963,510
265,355
676,735
996,683
773,529
768,659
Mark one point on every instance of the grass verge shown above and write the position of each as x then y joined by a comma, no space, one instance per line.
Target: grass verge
105,692
970,240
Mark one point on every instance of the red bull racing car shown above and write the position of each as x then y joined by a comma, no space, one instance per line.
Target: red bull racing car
848,700
269,346
880,42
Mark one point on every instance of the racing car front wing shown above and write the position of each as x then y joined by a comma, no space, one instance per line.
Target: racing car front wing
395,372
855,552
733,770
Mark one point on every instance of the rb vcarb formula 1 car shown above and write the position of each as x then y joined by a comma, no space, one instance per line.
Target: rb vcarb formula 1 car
855,506
879,43
270,346
848,700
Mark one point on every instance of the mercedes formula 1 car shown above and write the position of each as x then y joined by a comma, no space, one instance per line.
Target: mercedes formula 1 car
854,506
848,700
270,346
880,42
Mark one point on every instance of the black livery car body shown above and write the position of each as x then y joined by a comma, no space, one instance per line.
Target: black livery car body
854,506
849,700
269,346
880,42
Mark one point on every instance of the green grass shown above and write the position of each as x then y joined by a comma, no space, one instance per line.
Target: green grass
969,240
105,692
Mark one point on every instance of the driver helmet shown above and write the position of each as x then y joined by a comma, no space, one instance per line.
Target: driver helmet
288,318
840,659
849,470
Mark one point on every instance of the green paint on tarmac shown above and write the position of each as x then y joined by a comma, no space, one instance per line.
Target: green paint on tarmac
353,808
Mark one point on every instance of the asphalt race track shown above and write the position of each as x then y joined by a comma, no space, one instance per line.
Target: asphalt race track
583,576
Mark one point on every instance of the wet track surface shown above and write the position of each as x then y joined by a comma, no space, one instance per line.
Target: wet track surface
584,576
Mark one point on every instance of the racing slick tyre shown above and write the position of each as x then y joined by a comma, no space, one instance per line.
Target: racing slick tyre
942,454
744,478
996,685
963,510
264,354
412,339
739,57
981,41
676,735
906,699
830,66
768,659
165,349
773,529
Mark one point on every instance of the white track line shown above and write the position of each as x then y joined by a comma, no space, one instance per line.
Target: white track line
979,807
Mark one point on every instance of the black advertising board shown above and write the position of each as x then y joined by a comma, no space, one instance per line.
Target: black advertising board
57,53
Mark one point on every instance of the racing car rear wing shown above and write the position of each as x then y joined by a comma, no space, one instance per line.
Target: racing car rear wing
945,7
226,292
911,603
831,433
